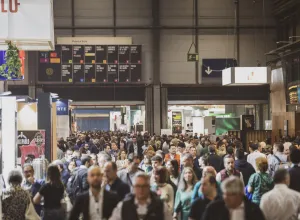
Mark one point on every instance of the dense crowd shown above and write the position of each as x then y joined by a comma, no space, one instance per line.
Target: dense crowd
117,176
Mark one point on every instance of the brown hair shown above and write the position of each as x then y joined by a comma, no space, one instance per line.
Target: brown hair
162,172
182,185
262,164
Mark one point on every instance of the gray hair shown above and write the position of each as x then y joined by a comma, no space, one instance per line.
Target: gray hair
233,185
143,175
15,177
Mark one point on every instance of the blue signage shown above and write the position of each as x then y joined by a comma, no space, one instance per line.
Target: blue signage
62,107
213,67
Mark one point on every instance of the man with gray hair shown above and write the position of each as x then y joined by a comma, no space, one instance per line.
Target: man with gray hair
142,204
234,206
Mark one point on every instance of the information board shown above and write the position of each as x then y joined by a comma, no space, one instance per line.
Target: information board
91,64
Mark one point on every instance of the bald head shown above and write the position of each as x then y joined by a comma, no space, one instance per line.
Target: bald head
95,177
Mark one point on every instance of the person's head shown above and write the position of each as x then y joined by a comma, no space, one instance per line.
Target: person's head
110,171
95,176
230,150
114,145
193,151
229,163
240,154
156,162
187,178
209,170
282,176
173,168
295,156
203,161
122,155
172,149
253,147
72,165
134,139
146,142
94,158
211,149
181,147
86,161
28,171
53,175
68,155
76,154
86,146
161,175
107,149
59,165
103,158
278,147
187,160
141,186
287,148
133,163
208,185
15,178
261,164
233,192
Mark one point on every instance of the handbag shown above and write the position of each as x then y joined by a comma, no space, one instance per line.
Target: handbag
30,213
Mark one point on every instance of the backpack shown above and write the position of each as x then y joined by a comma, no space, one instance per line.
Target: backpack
74,186
281,165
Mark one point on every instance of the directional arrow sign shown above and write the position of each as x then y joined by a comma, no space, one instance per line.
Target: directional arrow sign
208,71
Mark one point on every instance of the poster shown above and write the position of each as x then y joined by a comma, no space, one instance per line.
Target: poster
247,122
31,143
177,122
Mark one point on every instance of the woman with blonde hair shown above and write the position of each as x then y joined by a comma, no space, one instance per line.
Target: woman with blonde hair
183,199
260,182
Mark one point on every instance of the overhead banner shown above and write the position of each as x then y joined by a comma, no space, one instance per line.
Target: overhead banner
28,23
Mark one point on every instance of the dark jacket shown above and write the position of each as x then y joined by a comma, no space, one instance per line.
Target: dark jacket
82,174
215,161
131,150
81,206
245,168
119,187
295,178
218,211
155,209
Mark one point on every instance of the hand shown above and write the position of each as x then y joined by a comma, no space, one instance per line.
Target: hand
30,179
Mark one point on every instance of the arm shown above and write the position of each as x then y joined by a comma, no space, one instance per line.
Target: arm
37,198
76,210
242,178
177,205
250,187
195,194
218,177
116,215
85,184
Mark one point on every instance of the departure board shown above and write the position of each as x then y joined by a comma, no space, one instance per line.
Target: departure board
91,64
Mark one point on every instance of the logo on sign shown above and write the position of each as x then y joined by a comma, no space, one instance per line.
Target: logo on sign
13,6
61,109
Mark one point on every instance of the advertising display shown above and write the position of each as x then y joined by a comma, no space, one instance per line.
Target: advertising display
31,144
91,64
247,122
22,59
28,23
177,122
245,76
223,125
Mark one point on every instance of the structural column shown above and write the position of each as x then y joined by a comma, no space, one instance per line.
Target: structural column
164,107
32,73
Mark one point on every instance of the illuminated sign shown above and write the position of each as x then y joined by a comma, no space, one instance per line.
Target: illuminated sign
245,76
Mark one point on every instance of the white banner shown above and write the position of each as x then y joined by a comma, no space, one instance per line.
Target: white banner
27,22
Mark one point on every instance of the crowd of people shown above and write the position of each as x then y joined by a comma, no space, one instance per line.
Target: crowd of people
117,176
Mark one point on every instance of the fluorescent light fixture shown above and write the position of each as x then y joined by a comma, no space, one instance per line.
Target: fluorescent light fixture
53,94
21,100
70,100
5,93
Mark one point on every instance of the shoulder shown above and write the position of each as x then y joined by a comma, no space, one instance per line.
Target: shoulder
216,205
110,195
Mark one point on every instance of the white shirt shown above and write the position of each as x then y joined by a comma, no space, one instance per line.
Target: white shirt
141,210
281,203
238,213
252,157
95,206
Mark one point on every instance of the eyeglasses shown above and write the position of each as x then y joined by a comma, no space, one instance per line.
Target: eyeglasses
141,186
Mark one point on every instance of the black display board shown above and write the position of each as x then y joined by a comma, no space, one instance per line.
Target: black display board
91,64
